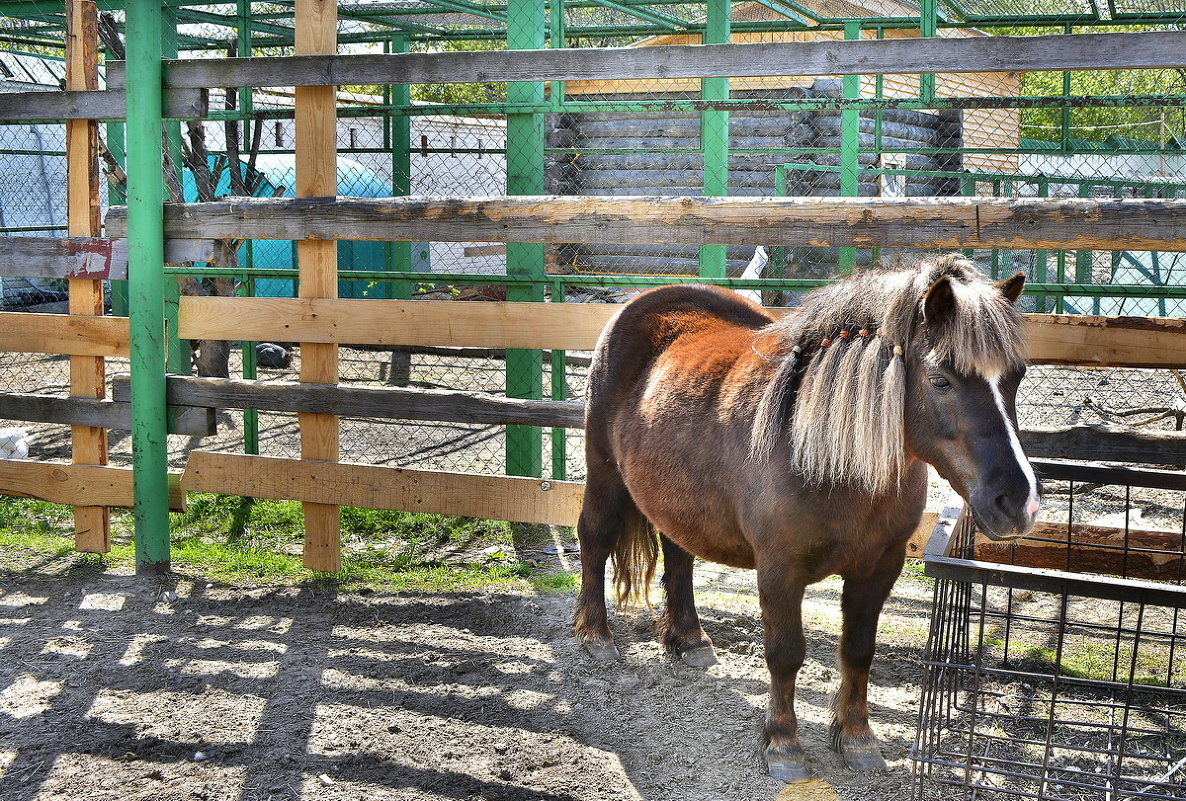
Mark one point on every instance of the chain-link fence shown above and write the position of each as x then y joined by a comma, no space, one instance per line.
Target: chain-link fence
990,134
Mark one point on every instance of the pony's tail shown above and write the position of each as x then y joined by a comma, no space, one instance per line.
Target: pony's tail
774,409
634,557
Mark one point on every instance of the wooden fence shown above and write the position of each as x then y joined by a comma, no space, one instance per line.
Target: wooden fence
320,321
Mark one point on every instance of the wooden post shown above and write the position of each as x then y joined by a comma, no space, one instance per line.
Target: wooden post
316,176
87,376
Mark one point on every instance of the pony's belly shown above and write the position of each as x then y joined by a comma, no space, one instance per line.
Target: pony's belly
705,530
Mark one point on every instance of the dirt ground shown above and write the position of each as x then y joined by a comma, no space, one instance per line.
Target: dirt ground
113,687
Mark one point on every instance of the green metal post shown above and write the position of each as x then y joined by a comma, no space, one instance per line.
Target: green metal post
525,176
115,144
399,254
247,251
558,24
1042,257
714,132
177,356
928,11
560,393
850,147
146,282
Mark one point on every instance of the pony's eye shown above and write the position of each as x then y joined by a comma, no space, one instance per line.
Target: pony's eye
939,382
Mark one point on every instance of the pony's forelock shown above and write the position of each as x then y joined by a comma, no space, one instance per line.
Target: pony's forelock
845,392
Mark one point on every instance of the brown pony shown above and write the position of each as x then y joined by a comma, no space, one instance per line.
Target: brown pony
799,448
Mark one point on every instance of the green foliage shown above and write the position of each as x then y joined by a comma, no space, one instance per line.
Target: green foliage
1150,123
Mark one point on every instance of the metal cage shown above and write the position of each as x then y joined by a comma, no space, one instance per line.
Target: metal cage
1056,665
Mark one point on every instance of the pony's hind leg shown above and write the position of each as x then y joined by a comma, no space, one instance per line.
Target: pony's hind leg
607,506
850,734
679,627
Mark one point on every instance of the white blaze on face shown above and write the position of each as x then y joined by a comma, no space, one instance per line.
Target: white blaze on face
1032,504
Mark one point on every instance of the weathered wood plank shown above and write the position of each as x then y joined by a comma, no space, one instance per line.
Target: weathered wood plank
88,444
397,403
72,484
102,104
193,421
316,26
567,326
64,257
1106,341
864,57
1052,339
1137,554
1100,443
76,335
1066,223
522,500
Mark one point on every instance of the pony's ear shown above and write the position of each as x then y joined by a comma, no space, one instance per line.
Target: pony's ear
938,306
1011,287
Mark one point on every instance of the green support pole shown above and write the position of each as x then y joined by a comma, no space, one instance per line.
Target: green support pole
714,132
560,393
557,21
146,281
247,252
1042,257
850,148
115,144
399,254
525,176
177,354
928,11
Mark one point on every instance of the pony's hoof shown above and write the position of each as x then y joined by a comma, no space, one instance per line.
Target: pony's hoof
863,758
602,650
859,754
788,765
700,656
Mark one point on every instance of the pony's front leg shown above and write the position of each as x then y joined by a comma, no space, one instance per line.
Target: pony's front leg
850,734
782,619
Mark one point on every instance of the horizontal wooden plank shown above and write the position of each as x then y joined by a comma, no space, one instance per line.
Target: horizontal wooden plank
399,403
1100,443
864,57
116,414
1135,554
1059,223
567,326
75,335
1053,339
63,257
77,484
524,500
106,104
179,251
1106,341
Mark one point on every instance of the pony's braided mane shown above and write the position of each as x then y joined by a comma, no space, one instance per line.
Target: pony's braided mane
838,394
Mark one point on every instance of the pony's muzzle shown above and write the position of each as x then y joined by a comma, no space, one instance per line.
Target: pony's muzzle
1006,515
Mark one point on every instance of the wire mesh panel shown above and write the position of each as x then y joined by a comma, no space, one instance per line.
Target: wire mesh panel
1054,667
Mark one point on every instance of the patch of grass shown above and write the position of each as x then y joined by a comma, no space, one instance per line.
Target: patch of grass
563,583
244,541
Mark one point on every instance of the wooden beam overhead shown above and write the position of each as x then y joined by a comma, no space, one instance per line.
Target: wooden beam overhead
1095,51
